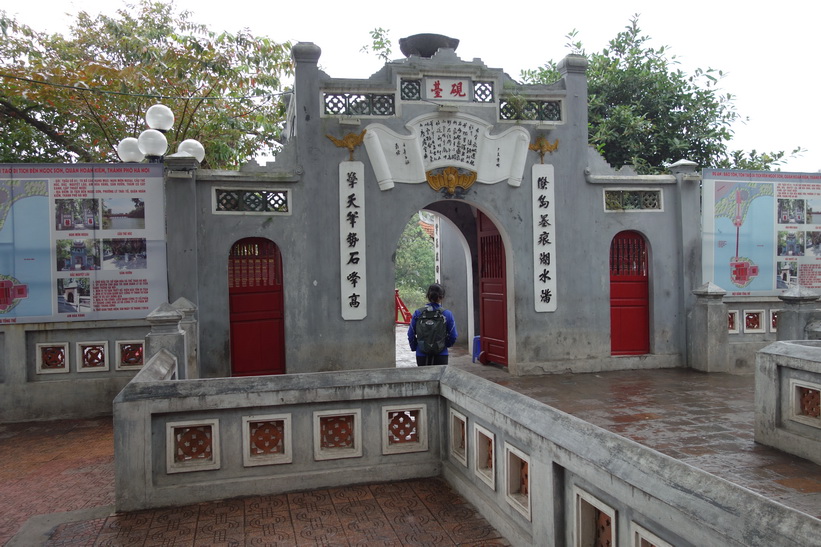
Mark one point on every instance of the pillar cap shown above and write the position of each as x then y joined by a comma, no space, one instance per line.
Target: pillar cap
798,295
710,290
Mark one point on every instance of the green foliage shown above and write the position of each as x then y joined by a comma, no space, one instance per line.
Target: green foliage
765,161
415,264
74,98
646,112
380,44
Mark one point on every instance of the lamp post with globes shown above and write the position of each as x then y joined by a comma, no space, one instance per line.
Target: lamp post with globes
152,144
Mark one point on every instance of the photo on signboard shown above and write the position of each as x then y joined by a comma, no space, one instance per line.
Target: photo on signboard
77,254
813,243
77,214
814,211
787,274
123,214
124,254
74,295
790,243
791,211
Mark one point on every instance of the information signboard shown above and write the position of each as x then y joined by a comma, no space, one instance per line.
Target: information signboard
81,241
761,231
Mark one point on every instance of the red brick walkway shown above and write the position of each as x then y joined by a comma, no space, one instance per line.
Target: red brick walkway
55,467
52,467
705,420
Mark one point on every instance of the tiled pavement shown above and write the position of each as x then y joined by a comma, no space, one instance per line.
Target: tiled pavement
703,420
68,466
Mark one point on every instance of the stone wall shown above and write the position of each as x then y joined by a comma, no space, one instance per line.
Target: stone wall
535,473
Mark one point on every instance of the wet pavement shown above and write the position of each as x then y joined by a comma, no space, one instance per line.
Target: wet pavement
57,478
704,420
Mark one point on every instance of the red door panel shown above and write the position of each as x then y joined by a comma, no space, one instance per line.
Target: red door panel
256,308
492,292
629,295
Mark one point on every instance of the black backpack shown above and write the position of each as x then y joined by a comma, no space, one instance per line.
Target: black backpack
431,330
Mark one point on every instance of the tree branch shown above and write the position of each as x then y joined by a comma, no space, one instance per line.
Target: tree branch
9,110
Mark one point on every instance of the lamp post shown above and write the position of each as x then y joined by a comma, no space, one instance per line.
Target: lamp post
152,144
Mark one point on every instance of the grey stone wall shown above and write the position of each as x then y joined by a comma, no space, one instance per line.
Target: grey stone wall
576,337
568,459
782,370
27,395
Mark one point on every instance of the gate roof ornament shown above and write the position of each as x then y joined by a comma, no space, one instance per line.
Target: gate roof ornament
440,140
349,141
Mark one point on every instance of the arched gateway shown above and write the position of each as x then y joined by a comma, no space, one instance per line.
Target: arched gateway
629,295
256,308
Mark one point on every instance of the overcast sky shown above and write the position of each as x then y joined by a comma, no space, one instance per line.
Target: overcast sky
770,52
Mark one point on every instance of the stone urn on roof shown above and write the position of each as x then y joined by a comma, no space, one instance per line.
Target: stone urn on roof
426,45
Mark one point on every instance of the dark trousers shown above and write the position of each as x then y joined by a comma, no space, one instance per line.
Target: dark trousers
424,360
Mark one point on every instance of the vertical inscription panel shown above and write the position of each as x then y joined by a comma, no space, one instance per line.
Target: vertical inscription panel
352,259
544,238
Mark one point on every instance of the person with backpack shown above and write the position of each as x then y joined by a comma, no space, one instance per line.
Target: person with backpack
432,330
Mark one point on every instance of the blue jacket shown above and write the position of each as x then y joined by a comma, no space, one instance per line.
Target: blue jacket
450,323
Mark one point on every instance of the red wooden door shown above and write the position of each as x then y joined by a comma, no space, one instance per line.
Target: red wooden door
492,292
256,308
629,295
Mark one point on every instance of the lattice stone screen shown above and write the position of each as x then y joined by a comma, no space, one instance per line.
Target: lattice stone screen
337,434
458,437
525,110
52,358
404,429
359,104
484,455
92,356
192,446
632,200
517,480
263,201
130,354
267,440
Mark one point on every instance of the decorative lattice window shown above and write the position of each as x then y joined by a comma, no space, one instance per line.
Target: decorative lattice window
520,109
484,455
192,446
517,480
632,200
458,437
806,402
754,321
130,354
733,326
404,429
52,358
773,320
410,90
360,104
595,521
92,356
641,537
244,201
483,92
337,434
266,440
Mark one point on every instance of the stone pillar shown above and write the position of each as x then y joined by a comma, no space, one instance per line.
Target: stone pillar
191,329
801,307
708,337
181,220
166,334
688,231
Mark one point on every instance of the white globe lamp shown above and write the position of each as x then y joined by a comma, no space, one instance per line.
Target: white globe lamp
193,147
129,150
153,144
159,117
